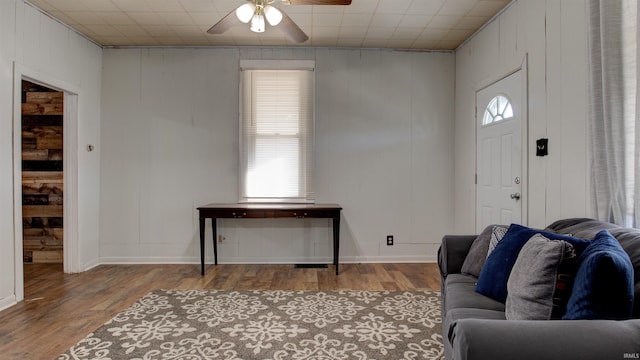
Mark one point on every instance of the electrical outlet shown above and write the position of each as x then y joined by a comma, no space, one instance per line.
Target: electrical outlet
220,238
389,240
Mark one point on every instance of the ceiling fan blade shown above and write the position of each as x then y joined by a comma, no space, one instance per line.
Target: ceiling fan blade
317,2
224,24
291,29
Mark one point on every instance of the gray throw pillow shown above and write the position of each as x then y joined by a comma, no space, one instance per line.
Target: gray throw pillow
532,282
478,252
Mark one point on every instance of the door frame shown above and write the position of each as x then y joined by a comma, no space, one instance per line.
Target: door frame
70,170
524,129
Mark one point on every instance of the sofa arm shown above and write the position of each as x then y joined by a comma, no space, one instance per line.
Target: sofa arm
545,339
453,250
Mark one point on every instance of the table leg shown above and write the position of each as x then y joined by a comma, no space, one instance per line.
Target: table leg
214,230
336,241
202,245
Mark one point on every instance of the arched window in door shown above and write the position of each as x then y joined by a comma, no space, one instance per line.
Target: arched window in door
499,109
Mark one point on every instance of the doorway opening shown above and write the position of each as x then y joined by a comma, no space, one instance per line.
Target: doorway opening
63,129
42,113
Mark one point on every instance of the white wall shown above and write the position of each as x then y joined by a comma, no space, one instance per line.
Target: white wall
553,35
46,47
384,151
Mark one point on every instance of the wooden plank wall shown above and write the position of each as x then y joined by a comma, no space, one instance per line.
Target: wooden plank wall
42,176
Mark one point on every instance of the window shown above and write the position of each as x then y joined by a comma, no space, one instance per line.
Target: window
499,109
276,123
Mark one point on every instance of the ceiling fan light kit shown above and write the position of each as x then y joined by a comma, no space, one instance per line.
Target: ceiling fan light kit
245,12
257,23
273,15
256,11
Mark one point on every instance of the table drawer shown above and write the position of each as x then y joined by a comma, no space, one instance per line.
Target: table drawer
301,214
233,213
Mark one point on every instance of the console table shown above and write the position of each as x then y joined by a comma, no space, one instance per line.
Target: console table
272,211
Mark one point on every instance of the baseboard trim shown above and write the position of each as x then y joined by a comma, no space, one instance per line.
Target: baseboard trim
7,302
148,260
90,265
247,260
388,259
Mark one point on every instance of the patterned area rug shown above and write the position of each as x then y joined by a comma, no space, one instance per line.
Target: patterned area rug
282,325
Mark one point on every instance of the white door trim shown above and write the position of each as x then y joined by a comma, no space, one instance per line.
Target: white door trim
524,67
70,167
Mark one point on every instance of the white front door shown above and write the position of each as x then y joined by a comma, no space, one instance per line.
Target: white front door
499,183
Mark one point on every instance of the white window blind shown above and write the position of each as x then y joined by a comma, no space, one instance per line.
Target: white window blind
276,123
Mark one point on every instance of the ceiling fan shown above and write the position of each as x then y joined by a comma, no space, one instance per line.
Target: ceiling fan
256,11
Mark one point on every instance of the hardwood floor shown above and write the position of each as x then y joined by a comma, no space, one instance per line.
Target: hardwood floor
61,309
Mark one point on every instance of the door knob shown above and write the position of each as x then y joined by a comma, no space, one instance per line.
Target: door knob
515,196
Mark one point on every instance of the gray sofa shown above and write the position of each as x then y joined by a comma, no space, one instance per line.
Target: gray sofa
475,326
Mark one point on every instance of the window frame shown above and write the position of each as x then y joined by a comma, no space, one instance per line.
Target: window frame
305,135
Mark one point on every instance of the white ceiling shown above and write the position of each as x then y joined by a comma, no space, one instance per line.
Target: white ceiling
396,24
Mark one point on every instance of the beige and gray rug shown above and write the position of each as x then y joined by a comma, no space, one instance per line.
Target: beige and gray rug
282,325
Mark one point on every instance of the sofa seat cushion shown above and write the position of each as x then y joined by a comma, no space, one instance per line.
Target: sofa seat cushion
459,292
461,278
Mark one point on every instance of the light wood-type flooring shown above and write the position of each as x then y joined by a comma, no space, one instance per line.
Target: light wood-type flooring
61,309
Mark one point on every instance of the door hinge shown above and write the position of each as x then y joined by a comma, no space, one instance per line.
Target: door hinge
476,179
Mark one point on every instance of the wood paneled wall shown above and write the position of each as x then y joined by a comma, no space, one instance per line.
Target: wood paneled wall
383,150
558,184
42,176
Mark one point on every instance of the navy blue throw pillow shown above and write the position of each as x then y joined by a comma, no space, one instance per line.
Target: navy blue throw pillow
494,275
603,287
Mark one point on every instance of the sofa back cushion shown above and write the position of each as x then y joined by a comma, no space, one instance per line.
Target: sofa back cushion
628,238
479,249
